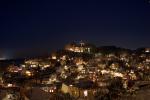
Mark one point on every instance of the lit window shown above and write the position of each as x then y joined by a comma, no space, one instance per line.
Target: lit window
85,93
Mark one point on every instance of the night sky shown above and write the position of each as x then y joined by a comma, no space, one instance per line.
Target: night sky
36,27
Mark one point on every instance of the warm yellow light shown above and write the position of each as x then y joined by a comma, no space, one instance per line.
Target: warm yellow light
9,85
28,73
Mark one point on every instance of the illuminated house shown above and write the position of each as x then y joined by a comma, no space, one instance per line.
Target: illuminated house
83,89
14,69
32,62
80,47
147,50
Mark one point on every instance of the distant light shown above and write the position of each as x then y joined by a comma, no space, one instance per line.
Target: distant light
85,93
3,58
147,51
9,85
28,73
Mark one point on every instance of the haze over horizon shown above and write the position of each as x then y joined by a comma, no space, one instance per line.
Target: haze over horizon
35,27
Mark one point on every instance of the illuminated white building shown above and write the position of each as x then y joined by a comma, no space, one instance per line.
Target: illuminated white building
80,47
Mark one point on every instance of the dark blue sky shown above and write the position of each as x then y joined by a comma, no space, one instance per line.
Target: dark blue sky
32,27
